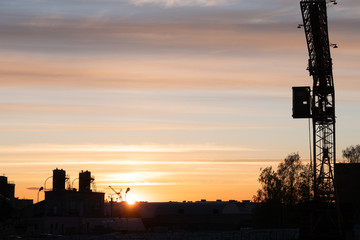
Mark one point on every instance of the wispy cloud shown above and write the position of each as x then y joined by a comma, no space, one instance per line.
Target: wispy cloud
140,148
174,72
86,127
161,48
174,3
33,188
140,176
151,163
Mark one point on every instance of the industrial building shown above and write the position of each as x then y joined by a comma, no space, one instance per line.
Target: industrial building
82,203
7,195
7,189
347,183
66,211
195,216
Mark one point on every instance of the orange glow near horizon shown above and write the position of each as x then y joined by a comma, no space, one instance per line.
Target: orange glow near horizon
159,182
162,175
132,198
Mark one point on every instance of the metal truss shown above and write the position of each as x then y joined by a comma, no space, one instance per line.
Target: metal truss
323,97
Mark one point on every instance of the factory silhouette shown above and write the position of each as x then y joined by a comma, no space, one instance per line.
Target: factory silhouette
70,212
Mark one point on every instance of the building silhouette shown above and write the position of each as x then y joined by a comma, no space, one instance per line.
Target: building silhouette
7,195
66,210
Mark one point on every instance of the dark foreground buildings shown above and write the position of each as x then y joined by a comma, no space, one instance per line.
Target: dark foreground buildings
335,220
347,180
68,211
8,203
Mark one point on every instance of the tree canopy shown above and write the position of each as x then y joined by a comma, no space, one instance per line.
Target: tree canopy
289,184
352,154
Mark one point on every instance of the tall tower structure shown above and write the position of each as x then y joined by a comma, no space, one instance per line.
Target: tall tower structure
85,181
59,178
321,102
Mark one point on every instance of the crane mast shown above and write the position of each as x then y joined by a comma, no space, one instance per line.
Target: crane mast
322,99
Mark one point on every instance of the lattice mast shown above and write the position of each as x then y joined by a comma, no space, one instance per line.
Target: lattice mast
323,97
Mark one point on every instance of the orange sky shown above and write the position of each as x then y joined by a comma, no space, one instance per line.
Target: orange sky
178,100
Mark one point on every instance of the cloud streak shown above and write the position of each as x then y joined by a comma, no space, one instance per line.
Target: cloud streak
160,48
33,188
184,162
144,148
175,3
82,127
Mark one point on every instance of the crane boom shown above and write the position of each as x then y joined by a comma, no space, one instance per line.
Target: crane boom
117,193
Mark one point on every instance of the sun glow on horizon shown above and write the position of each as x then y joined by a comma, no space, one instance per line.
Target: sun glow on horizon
132,198
131,201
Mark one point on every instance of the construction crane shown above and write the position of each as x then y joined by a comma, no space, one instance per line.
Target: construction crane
117,193
319,104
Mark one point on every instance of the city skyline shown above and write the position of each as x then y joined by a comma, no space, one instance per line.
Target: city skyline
178,100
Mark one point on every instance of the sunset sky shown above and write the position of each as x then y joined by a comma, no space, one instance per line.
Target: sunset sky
176,99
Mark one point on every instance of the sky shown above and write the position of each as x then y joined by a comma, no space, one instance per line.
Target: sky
176,99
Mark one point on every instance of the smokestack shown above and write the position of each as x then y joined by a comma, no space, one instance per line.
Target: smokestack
85,180
58,180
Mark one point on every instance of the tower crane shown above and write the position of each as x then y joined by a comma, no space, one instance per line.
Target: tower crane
319,104
117,193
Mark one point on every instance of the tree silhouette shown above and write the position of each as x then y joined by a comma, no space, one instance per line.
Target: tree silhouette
352,154
289,184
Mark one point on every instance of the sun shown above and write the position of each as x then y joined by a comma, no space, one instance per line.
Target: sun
131,199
